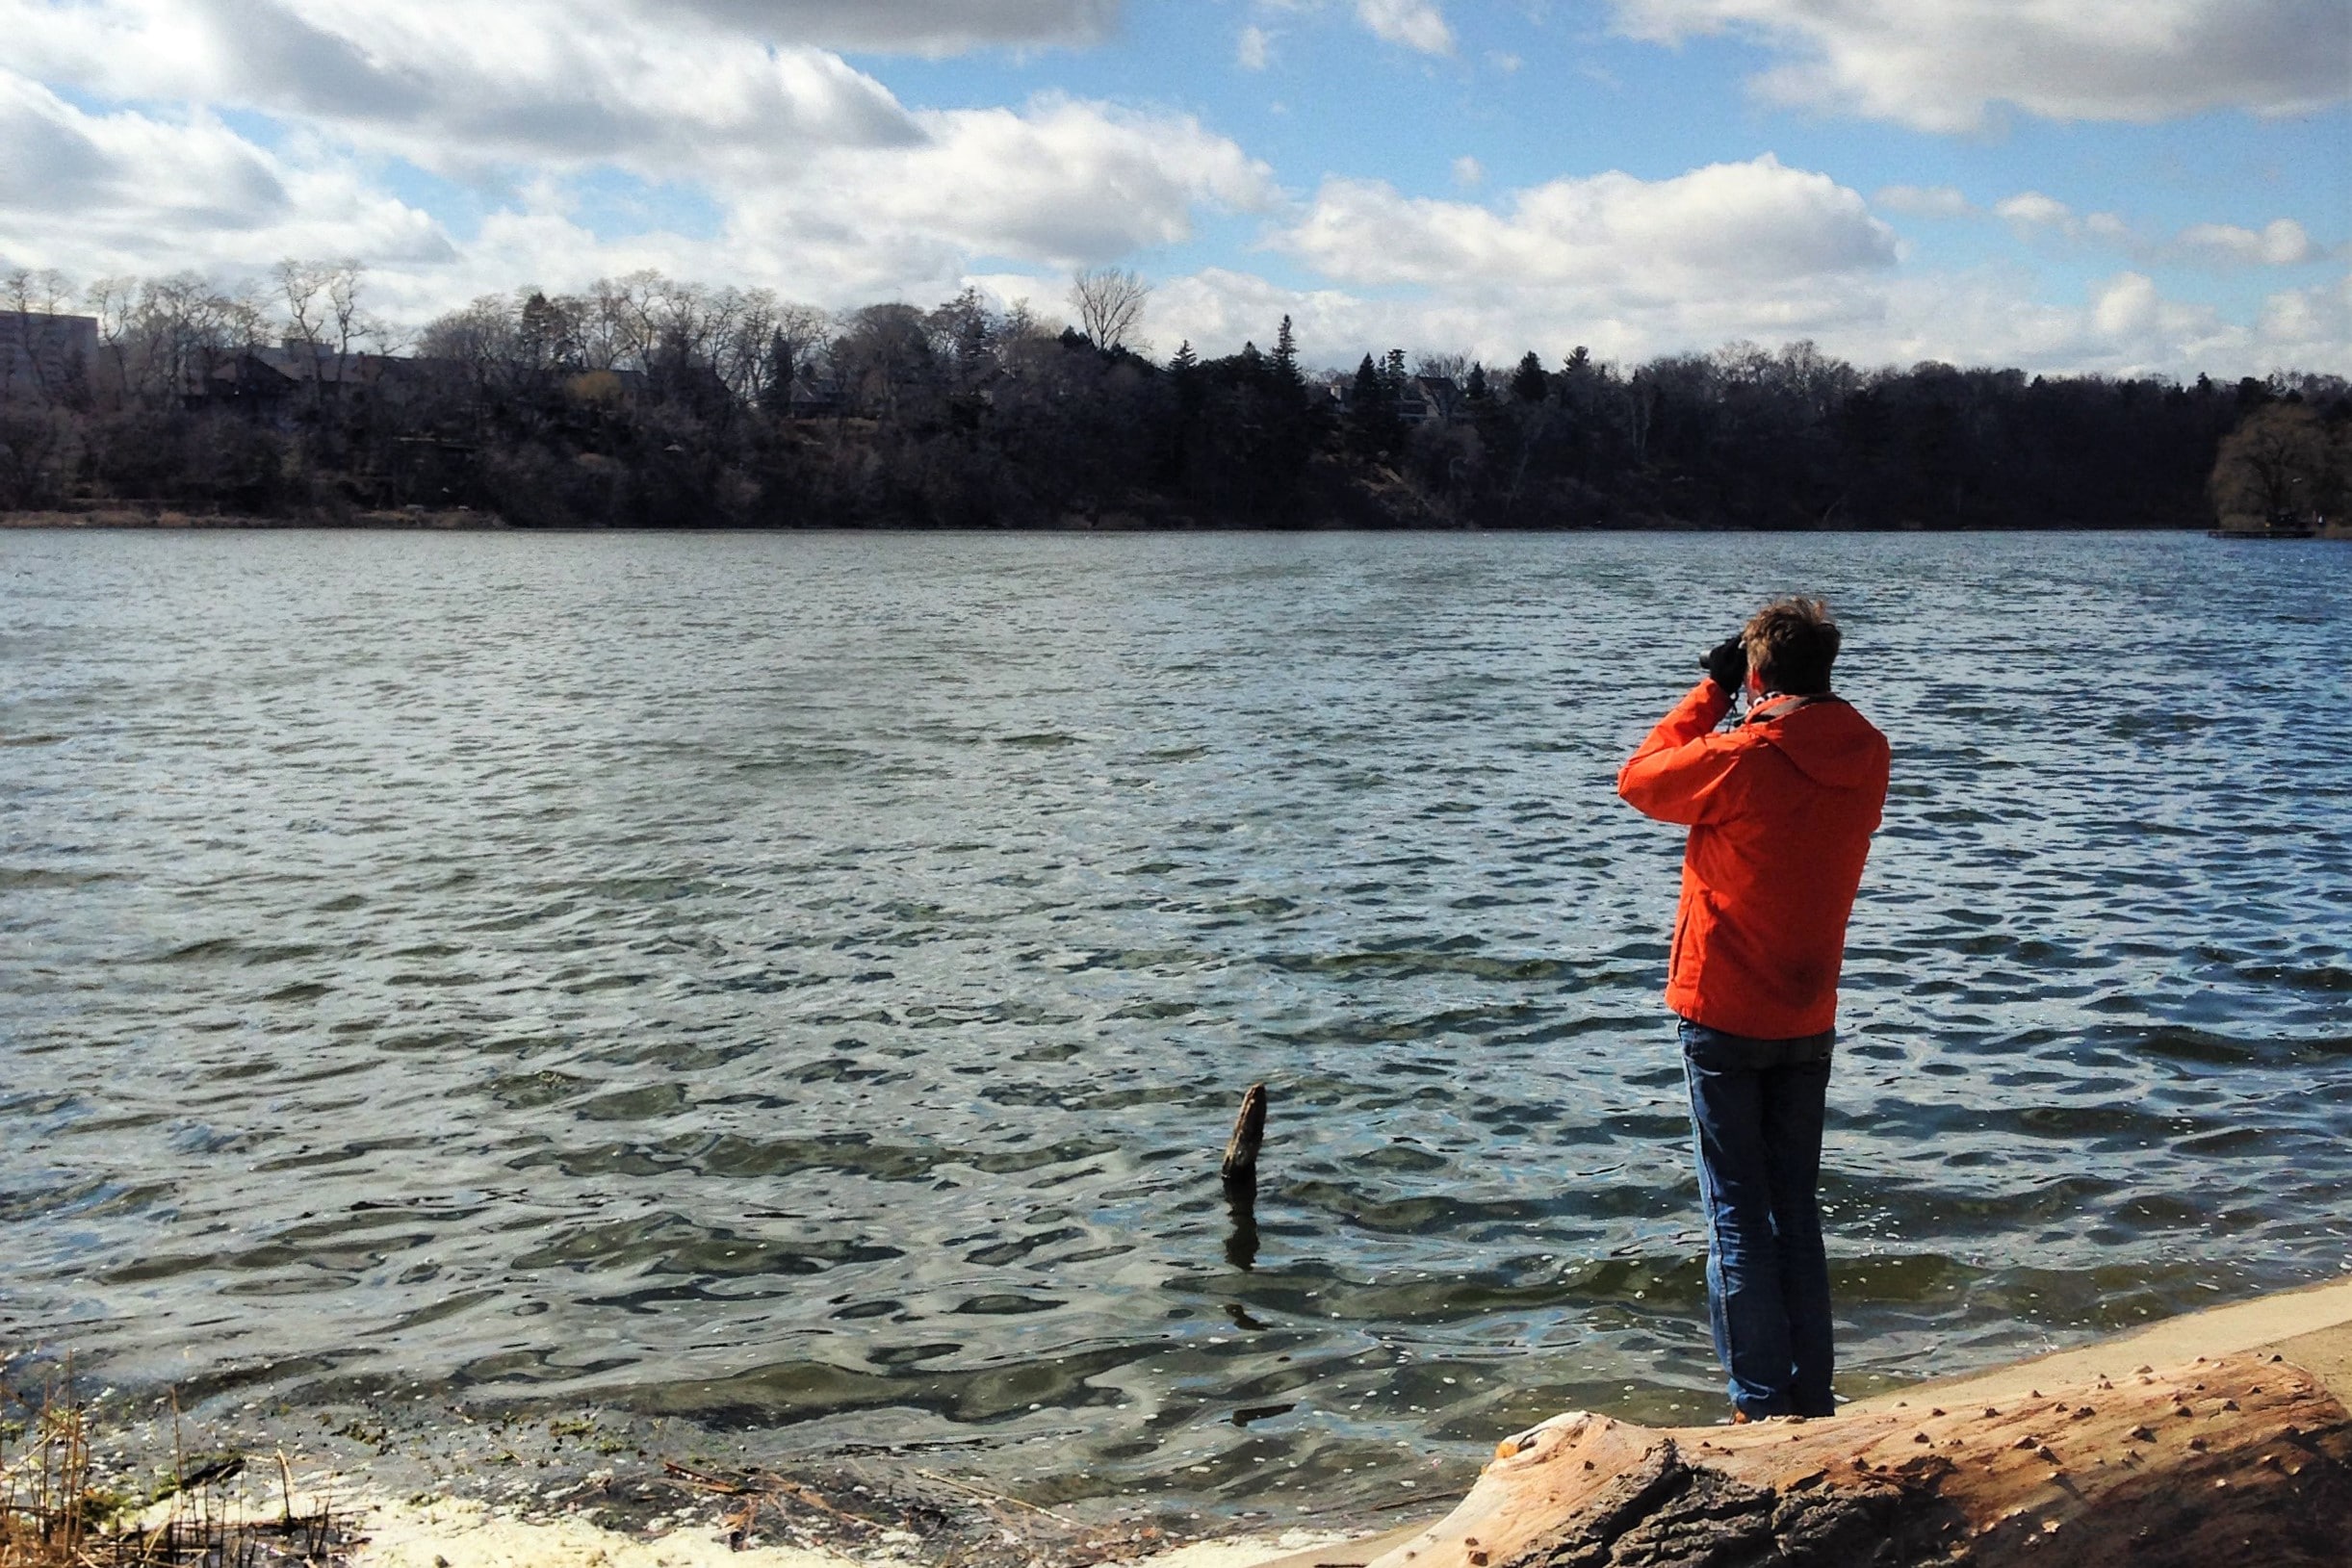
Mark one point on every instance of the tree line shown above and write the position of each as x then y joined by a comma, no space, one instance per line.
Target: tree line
649,402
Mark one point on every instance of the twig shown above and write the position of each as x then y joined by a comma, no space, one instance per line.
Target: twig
986,1495
768,1487
708,1482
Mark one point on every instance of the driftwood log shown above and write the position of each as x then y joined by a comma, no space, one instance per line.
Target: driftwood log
2243,1461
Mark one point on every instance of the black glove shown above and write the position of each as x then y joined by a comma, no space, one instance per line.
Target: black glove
1727,665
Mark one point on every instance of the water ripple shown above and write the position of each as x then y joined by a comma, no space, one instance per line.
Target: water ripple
801,983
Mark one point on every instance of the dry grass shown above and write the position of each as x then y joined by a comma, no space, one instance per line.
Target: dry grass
58,1510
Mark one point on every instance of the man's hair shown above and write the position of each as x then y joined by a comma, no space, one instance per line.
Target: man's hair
1791,644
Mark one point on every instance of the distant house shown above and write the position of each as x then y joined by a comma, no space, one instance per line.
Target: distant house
44,358
246,383
1420,400
1429,399
272,386
803,402
306,363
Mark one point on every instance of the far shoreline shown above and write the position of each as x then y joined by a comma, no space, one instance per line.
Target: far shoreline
464,520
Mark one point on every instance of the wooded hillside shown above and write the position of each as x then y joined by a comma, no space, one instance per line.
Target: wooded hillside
646,401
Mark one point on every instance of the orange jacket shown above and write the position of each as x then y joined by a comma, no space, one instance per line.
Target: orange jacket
1781,812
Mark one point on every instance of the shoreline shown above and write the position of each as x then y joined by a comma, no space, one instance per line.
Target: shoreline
128,519
2308,1327
415,1486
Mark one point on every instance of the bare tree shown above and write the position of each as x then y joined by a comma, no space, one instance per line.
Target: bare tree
43,292
115,302
30,294
350,324
883,358
481,338
187,326
302,286
322,312
742,355
2278,463
1109,301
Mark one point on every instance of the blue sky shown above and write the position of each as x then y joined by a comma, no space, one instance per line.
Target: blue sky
2094,185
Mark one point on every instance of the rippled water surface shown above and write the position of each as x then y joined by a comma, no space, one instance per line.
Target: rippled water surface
803,983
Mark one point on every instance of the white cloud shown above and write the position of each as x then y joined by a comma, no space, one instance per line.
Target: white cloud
1059,183
820,179
2281,242
2031,210
818,182
1924,201
2126,306
1416,24
1255,50
64,159
1631,268
456,90
2031,213
931,27
2125,324
1468,171
1943,67
1725,228
2310,327
124,191
1218,309
1063,182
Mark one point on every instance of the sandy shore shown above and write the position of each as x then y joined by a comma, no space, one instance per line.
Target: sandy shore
456,1535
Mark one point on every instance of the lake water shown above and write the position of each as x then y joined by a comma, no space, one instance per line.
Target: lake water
804,984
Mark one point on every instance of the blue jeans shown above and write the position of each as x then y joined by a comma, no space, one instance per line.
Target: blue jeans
1756,1112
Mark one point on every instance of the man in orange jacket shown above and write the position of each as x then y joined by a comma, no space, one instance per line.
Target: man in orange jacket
1781,810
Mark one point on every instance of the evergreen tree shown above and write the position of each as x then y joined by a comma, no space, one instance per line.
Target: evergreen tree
1374,431
1528,383
776,392
1286,353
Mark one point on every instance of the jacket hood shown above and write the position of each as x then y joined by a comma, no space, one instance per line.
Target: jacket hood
1830,742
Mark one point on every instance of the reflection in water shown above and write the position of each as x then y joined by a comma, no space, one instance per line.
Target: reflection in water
799,982
1240,1242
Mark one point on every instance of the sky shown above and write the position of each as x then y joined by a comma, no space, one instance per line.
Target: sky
2114,186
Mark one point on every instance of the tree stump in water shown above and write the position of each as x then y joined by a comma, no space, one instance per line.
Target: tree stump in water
1240,1167
2239,1461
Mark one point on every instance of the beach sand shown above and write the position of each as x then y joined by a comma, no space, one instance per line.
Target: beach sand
457,1534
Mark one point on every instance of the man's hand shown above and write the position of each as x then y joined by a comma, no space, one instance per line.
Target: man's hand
1727,665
